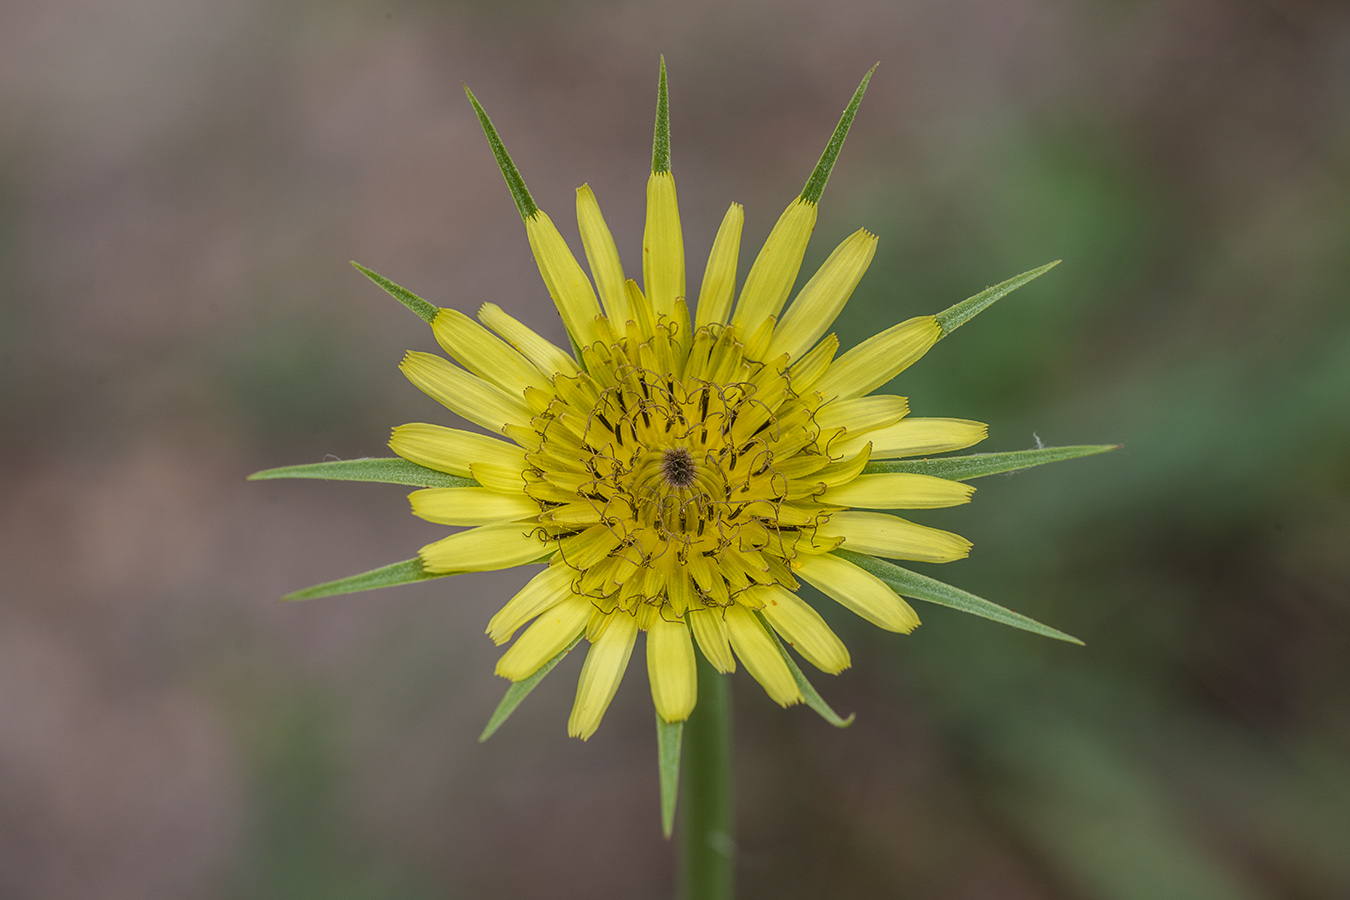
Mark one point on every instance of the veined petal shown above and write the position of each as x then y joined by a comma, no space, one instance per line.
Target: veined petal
879,534
862,414
898,491
494,477
775,269
551,632
879,358
809,369
710,630
919,437
670,668
549,357
662,246
462,393
857,590
484,354
818,304
803,628
760,655
719,278
471,506
451,450
566,282
545,590
601,674
484,549
602,255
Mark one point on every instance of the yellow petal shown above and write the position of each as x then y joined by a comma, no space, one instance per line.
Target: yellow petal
879,358
484,549
670,668
719,278
879,534
551,632
857,590
710,630
662,246
602,255
471,506
803,628
818,304
549,357
919,437
899,491
760,654
809,369
566,282
775,269
601,674
862,414
451,450
545,590
581,551
494,477
484,354
465,394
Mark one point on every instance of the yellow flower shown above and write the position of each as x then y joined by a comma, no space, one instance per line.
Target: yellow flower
690,466
691,463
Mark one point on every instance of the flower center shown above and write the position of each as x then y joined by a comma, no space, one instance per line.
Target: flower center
677,466
663,463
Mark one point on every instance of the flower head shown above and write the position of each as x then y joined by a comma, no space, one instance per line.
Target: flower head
692,462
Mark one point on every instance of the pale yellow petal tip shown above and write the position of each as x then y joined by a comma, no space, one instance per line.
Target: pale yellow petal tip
428,565
510,672
582,730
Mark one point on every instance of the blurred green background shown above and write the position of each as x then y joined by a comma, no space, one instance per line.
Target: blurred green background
181,185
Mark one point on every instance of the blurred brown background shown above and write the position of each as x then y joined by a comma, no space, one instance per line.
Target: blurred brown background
181,186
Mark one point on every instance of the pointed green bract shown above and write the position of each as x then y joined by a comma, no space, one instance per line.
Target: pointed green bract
920,587
978,465
815,185
380,470
392,575
955,316
425,310
669,735
661,140
519,690
521,194
809,693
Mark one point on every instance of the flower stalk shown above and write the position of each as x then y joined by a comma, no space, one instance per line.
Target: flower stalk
708,833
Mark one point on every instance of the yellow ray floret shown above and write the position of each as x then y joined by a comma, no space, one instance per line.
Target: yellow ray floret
775,268
566,283
601,673
858,590
880,534
471,506
719,277
898,491
670,668
819,303
662,246
451,450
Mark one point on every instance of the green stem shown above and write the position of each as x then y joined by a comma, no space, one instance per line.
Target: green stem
709,828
